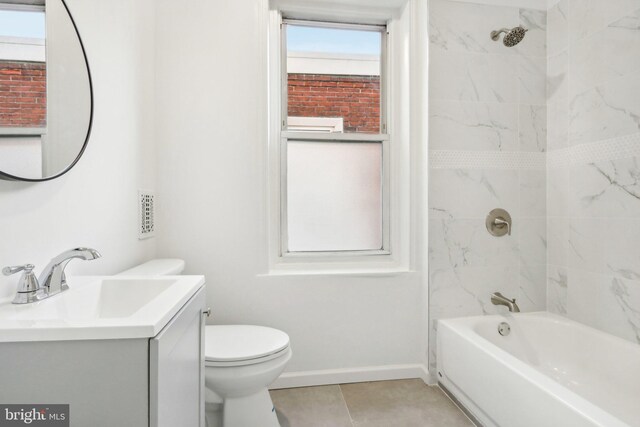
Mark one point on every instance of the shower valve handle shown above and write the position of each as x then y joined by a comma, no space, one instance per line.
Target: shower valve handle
501,222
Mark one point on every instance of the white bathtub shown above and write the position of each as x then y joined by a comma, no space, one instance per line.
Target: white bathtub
549,371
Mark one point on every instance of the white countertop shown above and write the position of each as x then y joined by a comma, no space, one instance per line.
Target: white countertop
97,308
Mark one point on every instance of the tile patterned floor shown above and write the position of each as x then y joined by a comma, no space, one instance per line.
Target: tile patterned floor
398,403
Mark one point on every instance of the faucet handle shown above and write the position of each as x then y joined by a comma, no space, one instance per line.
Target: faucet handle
27,268
29,289
498,223
501,222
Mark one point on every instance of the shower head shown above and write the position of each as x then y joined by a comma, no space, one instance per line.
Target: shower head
512,36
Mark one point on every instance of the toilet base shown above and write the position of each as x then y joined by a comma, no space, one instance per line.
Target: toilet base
241,392
248,411
213,414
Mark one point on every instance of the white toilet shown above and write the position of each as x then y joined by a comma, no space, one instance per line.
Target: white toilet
241,361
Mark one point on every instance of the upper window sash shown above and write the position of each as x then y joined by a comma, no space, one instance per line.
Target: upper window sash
382,29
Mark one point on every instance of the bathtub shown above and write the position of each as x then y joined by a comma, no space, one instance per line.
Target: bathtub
548,371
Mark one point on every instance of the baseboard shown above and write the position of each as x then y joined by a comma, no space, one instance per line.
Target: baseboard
351,375
431,379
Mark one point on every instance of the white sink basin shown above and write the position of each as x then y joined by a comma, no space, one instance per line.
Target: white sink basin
99,308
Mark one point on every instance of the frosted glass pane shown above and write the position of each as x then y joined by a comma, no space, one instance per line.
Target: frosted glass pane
334,196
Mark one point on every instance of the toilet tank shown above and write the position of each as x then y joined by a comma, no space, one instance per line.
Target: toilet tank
157,267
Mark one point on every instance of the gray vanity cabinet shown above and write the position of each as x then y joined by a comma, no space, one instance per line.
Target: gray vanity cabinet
176,363
141,382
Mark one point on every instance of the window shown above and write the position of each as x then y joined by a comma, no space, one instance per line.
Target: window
22,67
23,88
334,162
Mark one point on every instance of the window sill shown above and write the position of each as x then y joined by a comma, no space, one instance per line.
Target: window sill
364,272
18,131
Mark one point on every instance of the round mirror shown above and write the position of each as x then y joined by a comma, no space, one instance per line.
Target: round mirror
46,97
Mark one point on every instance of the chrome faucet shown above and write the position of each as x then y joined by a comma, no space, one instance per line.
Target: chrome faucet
52,278
498,299
52,281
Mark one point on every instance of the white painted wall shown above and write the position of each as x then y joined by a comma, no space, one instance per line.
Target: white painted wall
210,134
95,204
211,117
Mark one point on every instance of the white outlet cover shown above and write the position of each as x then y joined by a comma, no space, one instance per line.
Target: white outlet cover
146,214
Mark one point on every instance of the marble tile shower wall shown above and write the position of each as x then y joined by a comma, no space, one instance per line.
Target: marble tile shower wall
594,163
487,141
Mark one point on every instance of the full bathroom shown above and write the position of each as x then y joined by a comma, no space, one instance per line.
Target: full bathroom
337,213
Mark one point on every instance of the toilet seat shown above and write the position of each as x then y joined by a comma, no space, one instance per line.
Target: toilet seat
237,345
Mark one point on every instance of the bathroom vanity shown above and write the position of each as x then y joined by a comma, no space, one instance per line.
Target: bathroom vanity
121,351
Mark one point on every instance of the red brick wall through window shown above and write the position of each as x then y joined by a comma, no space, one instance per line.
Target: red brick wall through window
23,94
354,98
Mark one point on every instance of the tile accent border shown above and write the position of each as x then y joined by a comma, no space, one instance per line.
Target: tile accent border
449,159
622,147
600,151
525,4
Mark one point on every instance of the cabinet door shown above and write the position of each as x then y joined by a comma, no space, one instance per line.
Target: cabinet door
176,369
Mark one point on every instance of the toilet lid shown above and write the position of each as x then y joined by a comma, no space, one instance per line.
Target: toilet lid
231,343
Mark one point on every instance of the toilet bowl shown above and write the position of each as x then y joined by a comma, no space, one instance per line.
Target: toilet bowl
241,361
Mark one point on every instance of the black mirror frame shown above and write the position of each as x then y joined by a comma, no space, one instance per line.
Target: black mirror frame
8,177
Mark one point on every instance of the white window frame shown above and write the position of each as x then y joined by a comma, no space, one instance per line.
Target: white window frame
394,255
309,136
